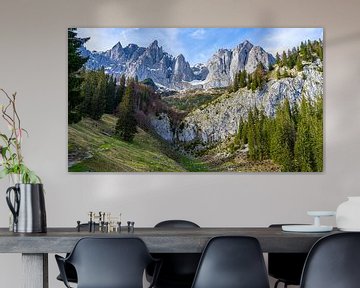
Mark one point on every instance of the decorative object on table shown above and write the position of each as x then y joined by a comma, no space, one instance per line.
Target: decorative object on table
195,100
27,204
348,214
131,226
28,208
101,221
316,227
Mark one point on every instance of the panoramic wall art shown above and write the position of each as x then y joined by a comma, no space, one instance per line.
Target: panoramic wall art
195,99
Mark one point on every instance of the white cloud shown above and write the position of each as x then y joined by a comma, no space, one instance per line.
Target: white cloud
102,39
281,39
198,34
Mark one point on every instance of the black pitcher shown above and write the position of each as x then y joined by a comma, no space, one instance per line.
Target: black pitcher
28,208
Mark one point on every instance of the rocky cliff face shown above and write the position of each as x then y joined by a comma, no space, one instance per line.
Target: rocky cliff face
200,71
226,63
182,70
176,73
219,120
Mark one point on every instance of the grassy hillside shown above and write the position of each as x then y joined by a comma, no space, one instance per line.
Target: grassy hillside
92,147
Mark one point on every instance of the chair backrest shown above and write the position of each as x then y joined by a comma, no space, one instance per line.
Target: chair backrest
176,224
232,262
333,262
177,268
110,262
286,266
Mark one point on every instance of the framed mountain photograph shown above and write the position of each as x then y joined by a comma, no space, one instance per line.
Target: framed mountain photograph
195,99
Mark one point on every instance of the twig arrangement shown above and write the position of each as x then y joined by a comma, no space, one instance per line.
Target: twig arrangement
11,158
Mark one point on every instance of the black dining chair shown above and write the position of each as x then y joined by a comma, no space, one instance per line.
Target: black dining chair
108,263
70,271
178,269
286,267
232,262
333,262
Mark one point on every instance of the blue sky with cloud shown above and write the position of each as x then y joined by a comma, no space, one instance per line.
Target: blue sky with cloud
199,44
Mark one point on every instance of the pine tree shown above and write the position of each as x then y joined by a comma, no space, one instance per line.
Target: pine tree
303,145
277,58
126,125
238,144
251,135
299,65
93,90
110,94
253,85
320,52
257,133
248,82
242,79
75,63
99,99
302,49
283,138
317,132
87,92
284,59
120,92
264,136
236,82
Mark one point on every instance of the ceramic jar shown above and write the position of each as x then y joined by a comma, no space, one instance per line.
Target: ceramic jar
348,214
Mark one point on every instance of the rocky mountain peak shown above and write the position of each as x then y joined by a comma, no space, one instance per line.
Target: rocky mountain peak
226,63
132,46
246,46
180,58
154,51
154,44
182,70
246,43
117,46
116,51
258,55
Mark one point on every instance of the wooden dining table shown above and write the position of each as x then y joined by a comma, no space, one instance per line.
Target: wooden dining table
35,247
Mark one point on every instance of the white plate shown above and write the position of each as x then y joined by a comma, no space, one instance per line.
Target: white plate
350,229
306,228
321,213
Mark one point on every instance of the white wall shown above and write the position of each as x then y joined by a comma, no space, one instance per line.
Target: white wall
33,62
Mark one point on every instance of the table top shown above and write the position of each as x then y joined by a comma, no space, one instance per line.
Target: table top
158,240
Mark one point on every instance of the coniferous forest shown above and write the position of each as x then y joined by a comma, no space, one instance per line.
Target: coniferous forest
119,123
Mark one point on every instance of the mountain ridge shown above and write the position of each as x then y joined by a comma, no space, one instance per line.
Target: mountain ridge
175,72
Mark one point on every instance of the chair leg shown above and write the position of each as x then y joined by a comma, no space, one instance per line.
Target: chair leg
278,282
